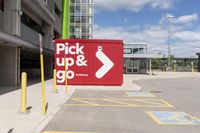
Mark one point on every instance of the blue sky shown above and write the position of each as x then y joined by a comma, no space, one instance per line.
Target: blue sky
145,21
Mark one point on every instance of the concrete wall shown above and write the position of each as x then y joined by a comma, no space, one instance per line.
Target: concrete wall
9,61
12,18
29,35
10,21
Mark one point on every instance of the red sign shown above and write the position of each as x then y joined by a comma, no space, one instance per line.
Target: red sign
89,62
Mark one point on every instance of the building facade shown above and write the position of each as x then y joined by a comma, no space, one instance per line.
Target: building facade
133,61
21,22
137,59
81,19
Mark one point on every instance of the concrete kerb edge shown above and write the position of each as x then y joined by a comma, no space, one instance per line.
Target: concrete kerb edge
46,120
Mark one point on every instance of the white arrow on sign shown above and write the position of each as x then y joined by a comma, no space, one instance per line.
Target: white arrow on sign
107,64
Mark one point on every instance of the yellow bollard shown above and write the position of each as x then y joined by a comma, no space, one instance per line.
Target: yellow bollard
23,92
54,81
43,89
66,83
174,67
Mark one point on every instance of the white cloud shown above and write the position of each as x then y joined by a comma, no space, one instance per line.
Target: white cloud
186,43
187,18
187,35
132,5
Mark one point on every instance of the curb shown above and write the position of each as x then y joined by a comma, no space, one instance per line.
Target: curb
46,120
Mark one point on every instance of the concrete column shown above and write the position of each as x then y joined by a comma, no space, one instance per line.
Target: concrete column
150,69
10,56
9,66
48,37
12,17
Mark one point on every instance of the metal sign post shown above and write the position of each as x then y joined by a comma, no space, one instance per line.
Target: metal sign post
65,34
42,76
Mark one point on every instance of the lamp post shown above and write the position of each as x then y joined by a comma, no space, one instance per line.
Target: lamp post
169,17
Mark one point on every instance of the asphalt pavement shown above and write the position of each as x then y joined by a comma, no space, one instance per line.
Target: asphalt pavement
161,106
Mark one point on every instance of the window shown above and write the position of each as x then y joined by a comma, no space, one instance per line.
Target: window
2,5
85,1
78,10
72,1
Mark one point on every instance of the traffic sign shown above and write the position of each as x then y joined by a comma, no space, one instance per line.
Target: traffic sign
90,62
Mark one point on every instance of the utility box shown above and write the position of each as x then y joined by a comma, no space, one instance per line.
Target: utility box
89,61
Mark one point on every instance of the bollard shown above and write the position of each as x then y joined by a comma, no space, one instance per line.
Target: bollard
23,92
66,83
174,67
192,64
43,89
54,81
192,69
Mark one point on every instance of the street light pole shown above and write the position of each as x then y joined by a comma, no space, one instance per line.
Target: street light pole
169,37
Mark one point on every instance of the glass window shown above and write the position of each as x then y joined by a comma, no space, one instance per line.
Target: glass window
78,1
72,19
84,19
78,32
77,19
72,1
72,9
85,1
78,10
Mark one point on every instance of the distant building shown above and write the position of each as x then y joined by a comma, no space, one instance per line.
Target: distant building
198,62
21,22
81,19
136,58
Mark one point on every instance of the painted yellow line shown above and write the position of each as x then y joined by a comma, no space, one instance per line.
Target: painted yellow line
150,101
144,102
106,105
153,117
166,103
124,99
122,103
85,102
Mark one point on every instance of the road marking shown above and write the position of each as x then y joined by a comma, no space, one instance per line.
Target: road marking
85,102
97,102
139,94
173,118
117,102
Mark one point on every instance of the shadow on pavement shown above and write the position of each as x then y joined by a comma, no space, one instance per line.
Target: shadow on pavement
31,81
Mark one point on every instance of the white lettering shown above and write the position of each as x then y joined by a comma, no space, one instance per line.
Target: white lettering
60,47
60,62
70,61
79,50
60,76
70,74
